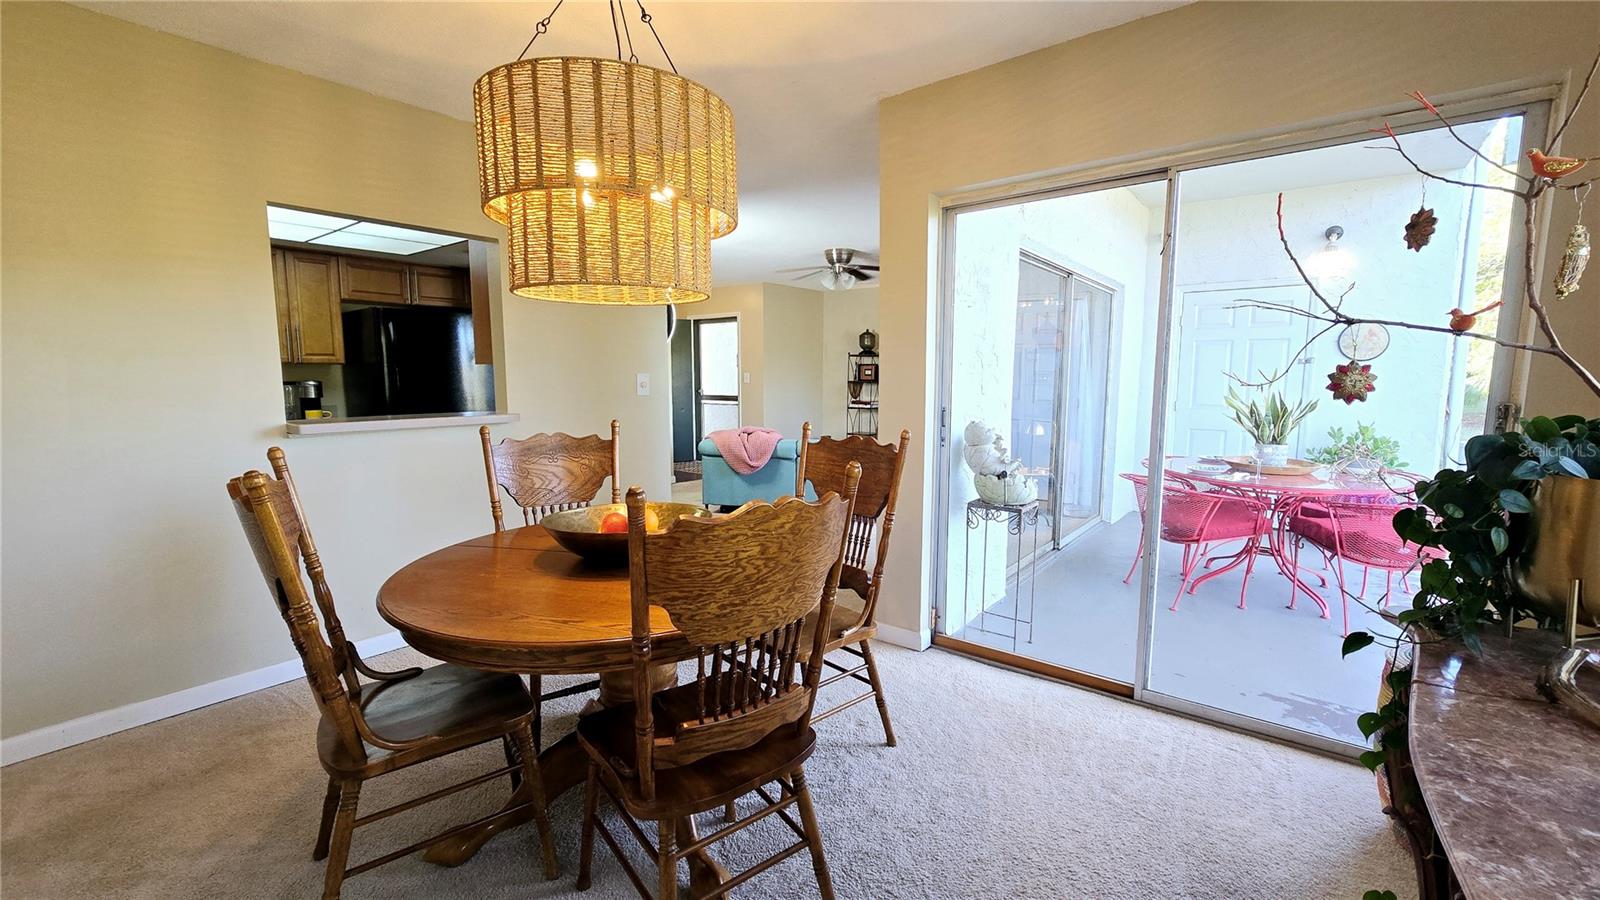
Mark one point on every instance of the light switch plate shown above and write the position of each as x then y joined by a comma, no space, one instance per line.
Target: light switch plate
747,378
642,383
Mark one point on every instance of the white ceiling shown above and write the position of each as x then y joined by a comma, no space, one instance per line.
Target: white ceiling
803,79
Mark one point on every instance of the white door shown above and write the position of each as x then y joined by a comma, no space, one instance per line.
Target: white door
1217,337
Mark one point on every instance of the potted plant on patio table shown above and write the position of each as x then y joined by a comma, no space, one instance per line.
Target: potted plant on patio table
1269,423
1361,452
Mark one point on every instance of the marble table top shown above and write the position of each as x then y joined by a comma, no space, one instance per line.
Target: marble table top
1512,781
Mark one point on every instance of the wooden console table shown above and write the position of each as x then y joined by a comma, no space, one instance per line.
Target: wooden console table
1510,782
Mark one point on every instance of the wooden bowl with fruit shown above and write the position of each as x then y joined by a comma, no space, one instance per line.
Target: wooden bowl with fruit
600,532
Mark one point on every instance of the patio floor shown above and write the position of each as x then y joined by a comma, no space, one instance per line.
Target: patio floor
1267,661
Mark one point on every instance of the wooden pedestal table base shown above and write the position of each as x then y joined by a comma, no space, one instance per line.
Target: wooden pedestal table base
514,601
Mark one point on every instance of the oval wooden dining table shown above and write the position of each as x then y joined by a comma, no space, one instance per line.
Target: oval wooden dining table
516,601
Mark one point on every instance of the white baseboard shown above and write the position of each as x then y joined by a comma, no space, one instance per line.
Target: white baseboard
903,637
95,725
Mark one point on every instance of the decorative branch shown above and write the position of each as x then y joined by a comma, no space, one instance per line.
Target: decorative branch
1284,240
1388,131
1332,314
1274,379
1341,319
1417,96
1576,102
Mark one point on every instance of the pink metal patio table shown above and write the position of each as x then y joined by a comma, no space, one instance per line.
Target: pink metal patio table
1279,492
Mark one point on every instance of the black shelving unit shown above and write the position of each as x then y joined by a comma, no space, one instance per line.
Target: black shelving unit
861,409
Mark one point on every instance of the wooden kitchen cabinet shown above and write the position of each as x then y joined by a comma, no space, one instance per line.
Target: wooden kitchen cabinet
309,287
309,323
280,294
438,286
366,280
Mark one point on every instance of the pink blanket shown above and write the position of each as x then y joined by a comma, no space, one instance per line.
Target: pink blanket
747,449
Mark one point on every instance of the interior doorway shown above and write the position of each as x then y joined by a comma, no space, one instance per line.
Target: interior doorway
705,388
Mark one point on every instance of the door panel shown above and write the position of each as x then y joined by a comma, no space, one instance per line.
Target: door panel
373,280
1219,339
684,436
313,288
716,374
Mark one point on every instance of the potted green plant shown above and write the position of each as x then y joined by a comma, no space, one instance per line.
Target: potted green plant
1269,423
1510,528
1361,452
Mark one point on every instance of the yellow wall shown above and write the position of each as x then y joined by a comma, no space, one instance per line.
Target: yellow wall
141,370
845,314
1198,76
793,322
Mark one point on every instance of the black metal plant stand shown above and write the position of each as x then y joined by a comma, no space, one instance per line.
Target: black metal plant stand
980,513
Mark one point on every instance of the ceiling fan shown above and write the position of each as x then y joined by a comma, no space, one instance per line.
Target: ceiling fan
840,272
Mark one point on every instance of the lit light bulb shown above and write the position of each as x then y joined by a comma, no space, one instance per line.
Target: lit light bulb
838,281
668,192
588,199
1332,262
587,169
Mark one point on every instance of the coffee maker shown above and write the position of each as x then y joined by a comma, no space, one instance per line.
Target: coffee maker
300,398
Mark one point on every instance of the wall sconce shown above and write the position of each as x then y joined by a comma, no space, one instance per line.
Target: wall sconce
1332,262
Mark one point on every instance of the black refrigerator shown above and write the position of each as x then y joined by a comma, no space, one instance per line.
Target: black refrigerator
412,361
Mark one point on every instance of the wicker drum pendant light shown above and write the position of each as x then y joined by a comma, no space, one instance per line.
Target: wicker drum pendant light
611,177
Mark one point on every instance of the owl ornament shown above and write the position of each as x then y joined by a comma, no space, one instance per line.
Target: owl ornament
1351,382
1573,261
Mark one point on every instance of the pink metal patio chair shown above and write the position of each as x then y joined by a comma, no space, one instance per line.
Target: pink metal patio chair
1198,520
1360,532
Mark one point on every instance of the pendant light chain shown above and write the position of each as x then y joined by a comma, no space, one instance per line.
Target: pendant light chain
611,7
648,19
541,28
614,7
627,33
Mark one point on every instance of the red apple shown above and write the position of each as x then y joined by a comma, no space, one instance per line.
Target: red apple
614,523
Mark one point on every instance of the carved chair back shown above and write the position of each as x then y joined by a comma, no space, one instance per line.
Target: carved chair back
269,512
739,588
823,463
548,473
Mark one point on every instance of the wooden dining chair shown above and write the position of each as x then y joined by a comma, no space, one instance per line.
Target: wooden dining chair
547,473
739,586
543,474
855,617
395,721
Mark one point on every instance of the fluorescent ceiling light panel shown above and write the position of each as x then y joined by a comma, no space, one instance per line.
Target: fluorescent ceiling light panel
300,217
286,224
287,231
369,242
374,229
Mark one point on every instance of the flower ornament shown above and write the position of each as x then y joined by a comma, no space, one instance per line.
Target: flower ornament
1351,382
1420,229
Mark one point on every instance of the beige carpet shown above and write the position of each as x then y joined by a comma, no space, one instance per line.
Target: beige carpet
1003,785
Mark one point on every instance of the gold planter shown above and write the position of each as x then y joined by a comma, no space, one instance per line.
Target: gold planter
1559,575
1563,547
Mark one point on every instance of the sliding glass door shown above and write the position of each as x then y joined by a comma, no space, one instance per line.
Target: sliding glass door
1050,302
1251,612
1096,349
1058,393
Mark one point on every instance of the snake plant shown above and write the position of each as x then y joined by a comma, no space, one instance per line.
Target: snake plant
1271,421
